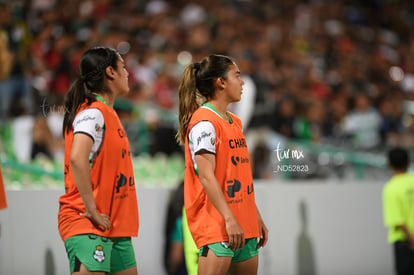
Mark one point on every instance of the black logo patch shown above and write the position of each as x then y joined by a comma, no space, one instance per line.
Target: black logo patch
235,160
233,186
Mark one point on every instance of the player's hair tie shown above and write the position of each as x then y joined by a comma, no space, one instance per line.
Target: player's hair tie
196,66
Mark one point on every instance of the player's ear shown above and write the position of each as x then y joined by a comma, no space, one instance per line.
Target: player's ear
220,83
110,72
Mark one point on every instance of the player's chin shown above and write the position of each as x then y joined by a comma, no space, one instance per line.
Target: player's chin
125,91
237,99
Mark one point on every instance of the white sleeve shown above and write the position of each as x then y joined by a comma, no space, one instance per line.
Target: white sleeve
202,137
90,122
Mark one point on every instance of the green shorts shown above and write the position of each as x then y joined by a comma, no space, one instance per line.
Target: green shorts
222,249
98,253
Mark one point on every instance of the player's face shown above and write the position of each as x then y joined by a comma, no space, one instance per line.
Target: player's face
122,77
234,84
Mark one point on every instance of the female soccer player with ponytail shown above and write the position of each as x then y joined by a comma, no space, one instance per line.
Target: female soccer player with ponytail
218,186
98,213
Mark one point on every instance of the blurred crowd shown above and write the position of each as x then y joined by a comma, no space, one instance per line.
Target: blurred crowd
332,72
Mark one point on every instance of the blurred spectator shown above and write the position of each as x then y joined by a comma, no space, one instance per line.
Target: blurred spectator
260,161
363,124
31,135
311,126
53,115
390,109
336,110
21,124
164,91
284,117
14,82
5,57
43,139
133,126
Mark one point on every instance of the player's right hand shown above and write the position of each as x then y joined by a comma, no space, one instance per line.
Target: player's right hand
236,234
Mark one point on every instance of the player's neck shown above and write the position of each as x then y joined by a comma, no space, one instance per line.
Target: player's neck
220,107
106,98
399,172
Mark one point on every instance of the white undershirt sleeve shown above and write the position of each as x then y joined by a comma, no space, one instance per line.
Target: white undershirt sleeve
203,137
90,122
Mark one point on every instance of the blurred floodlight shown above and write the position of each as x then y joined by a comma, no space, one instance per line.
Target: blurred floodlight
184,58
123,47
396,73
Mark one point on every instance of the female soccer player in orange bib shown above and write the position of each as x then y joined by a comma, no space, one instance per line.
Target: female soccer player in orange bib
98,213
218,186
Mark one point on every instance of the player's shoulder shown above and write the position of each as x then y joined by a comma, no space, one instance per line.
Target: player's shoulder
88,115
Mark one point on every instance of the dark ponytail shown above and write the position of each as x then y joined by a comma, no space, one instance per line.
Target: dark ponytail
197,86
75,96
91,81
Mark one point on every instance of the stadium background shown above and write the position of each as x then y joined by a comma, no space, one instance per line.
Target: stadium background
331,79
